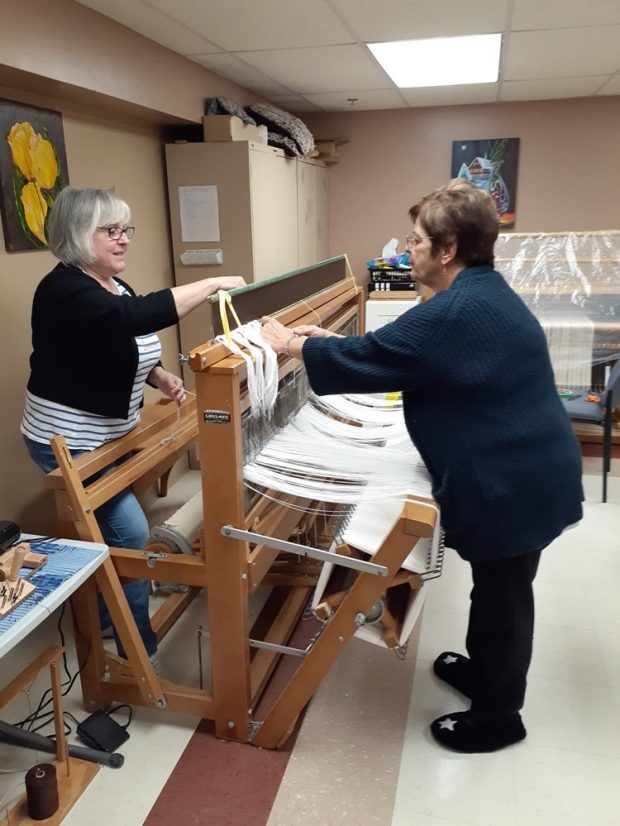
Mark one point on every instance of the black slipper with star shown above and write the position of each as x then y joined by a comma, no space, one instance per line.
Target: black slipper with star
462,731
454,669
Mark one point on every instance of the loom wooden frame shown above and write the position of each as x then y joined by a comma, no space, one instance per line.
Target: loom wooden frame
72,774
230,569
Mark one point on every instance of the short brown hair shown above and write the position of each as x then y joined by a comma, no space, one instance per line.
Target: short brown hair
462,213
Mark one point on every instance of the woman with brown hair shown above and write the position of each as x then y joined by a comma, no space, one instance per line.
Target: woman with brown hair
481,407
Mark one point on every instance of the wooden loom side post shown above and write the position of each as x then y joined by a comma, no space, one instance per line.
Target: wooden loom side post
416,521
88,637
87,632
360,300
221,462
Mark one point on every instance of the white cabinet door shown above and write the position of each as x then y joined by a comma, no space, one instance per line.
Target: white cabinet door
273,194
311,211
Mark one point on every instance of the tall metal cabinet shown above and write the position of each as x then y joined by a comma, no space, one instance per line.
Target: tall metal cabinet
272,214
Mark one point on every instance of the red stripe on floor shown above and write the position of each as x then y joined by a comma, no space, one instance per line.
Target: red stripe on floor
220,783
224,783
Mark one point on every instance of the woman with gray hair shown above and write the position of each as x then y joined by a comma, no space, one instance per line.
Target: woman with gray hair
94,348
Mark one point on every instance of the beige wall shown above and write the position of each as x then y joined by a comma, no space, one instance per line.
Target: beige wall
569,166
96,61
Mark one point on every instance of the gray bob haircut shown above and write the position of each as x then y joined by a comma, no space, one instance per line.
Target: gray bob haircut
76,214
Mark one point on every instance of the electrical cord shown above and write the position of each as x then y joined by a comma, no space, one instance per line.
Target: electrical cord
40,718
117,708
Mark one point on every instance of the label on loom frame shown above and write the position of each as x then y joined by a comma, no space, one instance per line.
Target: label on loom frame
216,416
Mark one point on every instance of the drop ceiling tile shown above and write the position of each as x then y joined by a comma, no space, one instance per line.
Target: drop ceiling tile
411,19
551,88
327,69
294,104
562,53
154,24
375,99
550,14
451,95
231,67
300,52
612,87
238,25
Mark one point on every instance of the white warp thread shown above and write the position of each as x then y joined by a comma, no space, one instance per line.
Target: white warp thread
319,456
571,340
261,364
372,465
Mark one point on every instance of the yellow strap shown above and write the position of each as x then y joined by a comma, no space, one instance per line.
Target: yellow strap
225,302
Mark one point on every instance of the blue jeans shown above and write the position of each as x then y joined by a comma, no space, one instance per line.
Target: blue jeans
123,525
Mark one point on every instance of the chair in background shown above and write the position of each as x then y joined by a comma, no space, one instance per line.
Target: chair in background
598,412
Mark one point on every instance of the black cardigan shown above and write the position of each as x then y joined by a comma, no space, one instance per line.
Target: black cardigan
83,338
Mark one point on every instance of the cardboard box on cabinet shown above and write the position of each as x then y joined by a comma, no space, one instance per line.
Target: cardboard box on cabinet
231,128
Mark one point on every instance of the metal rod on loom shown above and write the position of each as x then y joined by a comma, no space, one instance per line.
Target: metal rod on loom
304,550
279,649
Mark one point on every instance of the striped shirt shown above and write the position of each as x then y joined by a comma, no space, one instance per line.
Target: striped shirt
44,419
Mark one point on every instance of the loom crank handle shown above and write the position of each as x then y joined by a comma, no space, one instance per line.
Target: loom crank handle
153,556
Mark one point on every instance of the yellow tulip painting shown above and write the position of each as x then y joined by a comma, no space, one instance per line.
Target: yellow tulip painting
36,167
32,159
35,210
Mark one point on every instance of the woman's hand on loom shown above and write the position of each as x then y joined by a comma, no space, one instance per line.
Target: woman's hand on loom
168,384
226,282
275,334
311,330
189,296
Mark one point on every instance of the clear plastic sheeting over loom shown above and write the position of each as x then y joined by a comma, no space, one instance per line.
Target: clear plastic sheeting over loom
571,282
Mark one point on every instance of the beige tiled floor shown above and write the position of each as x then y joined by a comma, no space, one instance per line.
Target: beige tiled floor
566,771
564,774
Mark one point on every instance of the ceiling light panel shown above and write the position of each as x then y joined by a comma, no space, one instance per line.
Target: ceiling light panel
440,61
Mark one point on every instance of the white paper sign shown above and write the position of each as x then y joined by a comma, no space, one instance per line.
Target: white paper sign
200,220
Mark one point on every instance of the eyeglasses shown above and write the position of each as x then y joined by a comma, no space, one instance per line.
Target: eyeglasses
114,233
415,240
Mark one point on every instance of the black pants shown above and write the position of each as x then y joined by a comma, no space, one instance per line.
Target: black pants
500,633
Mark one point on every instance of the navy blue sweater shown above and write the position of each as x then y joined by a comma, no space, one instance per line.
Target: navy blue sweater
83,338
480,405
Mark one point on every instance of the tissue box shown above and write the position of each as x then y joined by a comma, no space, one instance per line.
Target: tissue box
231,128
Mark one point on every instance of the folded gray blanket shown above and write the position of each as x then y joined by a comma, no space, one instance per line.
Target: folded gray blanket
284,129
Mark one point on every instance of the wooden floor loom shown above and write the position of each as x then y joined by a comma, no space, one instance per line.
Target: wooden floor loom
244,543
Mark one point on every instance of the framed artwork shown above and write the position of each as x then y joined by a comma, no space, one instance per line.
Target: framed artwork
33,170
491,164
